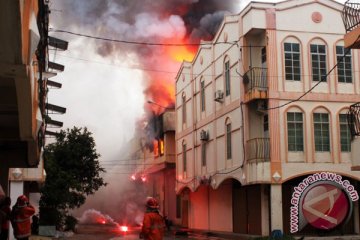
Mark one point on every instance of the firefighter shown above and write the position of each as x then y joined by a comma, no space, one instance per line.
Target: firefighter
153,224
20,218
5,210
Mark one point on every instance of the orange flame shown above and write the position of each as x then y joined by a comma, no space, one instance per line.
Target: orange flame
180,53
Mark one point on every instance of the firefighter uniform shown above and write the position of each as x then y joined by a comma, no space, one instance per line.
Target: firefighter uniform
20,218
153,224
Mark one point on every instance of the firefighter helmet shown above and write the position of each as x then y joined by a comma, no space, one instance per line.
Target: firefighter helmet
22,200
152,203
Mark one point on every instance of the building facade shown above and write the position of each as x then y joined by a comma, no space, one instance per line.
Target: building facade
155,161
261,108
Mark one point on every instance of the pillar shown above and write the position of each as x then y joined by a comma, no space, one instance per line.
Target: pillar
276,211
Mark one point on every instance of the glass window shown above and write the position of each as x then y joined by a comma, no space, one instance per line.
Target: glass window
318,62
227,78
292,61
295,131
184,157
344,67
345,135
228,141
322,132
202,93
184,109
203,154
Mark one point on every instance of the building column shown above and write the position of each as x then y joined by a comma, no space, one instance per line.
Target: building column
276,211
265,218
356,217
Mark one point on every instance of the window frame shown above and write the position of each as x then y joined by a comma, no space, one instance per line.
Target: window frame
202,95
298,140
227,77
183,108
345,141
203,154
344,77
321,134
228,141
292,66
184,150
321,60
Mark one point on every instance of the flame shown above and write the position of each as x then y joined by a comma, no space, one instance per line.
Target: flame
161,147
180,53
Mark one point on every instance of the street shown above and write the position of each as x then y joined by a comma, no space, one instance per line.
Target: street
106,232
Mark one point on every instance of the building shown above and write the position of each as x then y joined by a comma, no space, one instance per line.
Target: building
155,161
262,140
351,13
24,83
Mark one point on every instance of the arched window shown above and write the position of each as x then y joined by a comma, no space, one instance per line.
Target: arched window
184,156
345,135
292,57
202,95
318,60
321,119
227,76
344,67
183,108
228,139
295,130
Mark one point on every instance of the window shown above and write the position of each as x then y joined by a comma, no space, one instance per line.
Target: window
202,93
295,131
321,132
344,67
345,135
184,109
203,154
228,141
318,62
266,123
227,78
184,157
292,61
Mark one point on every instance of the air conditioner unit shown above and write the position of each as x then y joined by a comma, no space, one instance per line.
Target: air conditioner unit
219,95
261,106
204,136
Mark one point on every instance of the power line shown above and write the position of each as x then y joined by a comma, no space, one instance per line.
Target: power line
136,42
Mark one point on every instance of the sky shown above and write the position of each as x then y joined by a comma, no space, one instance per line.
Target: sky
106,85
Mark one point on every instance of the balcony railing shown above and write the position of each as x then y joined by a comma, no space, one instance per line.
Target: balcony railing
255,78
351,15
258,149
354,119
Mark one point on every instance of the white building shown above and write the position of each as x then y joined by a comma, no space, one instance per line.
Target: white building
254,119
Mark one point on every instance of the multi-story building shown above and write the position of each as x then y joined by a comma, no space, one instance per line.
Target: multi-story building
155,166
261,118
24,72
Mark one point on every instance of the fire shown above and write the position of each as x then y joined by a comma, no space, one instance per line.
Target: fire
182,52
124,228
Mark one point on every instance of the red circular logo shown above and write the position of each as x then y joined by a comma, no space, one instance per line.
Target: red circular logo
325,206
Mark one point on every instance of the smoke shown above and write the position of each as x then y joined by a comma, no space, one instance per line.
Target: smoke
160,21
92,216
108,99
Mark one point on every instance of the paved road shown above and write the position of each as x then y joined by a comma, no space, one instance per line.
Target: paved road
106,232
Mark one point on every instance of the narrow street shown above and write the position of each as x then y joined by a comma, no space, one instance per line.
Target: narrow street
106,232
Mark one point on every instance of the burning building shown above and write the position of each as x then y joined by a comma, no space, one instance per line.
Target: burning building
156,167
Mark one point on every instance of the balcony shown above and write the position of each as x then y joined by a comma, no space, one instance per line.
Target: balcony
351,19
255,84
258,150
354,125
